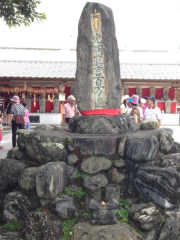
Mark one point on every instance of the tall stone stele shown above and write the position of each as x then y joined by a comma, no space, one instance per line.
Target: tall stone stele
98,83
42,104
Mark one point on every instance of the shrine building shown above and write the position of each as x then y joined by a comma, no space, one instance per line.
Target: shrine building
46,73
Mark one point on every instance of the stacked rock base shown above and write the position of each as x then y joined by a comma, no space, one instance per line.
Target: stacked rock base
48,180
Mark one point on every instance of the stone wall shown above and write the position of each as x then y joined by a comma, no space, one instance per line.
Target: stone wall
50,164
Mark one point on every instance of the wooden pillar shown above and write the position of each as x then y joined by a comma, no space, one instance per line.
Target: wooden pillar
62,105
122,92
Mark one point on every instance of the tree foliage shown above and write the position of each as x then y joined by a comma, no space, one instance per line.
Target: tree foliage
17,12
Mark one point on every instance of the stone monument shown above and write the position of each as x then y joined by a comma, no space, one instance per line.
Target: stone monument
56,105
98,83
168,106
126,91
28,102
166,93
42,105
139,92
152,91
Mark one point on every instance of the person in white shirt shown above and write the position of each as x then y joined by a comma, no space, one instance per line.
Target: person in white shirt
152,112
124,106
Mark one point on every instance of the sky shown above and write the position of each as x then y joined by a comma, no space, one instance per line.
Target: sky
140,25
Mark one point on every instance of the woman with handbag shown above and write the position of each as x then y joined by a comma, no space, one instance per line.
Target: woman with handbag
18,117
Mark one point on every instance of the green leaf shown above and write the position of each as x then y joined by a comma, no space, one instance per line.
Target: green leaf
20,12
13,226
67,226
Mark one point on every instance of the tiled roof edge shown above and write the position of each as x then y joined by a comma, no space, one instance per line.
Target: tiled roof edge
46,61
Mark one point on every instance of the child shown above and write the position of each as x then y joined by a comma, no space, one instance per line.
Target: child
1,128
28,127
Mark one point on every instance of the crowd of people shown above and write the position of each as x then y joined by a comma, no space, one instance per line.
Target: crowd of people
141,108
16,115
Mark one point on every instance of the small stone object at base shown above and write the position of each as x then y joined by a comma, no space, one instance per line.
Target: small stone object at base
103,203
103,213
93,191
112,191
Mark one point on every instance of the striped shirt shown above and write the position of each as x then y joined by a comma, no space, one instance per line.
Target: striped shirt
17,109
1,101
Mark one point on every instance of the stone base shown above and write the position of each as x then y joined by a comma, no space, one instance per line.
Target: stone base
102,124
119,231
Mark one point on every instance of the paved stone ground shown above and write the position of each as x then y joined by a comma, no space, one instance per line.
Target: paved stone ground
7,144
7,140
176,132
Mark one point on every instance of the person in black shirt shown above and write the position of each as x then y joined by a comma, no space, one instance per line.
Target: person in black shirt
7,109
1,105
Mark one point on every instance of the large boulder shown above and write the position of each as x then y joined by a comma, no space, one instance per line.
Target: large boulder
72,159
119,231
171,229
95,164
22,138
121,146
141,149
41,225
145,216
100,145
51,179
64,207
175,148
166,141
71,173
41,147
120,163
116,176
160,185
17,205
149,125
19,155
171,160
7,234
99,180
10,170
45,127
102,124
2,195
27,178
14,152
